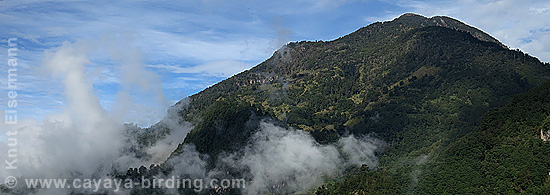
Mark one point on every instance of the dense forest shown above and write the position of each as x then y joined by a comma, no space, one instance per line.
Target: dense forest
503,155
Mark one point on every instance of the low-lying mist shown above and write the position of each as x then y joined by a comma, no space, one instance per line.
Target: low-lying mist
279,160
85,140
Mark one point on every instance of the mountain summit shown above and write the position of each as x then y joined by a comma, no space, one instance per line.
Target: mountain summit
412,20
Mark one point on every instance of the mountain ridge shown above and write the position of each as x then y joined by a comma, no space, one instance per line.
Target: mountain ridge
447,22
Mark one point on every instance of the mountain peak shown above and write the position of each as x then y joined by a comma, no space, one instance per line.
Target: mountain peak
412,15
417,20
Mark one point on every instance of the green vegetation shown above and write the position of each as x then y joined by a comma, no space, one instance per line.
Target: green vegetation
503,155
361,182
226,125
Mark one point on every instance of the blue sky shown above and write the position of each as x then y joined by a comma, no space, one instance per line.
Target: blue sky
183,47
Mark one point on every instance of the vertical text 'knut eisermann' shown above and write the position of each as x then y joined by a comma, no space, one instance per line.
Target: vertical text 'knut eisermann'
10,115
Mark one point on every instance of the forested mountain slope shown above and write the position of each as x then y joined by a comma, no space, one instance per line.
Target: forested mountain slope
505,154
420,84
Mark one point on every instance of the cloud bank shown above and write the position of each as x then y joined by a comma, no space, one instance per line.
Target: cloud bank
85,140
282,161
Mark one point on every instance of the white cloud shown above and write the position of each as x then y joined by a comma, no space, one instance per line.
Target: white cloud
84,140
330,4
77,140
228,46
283,161
220,68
